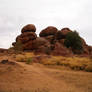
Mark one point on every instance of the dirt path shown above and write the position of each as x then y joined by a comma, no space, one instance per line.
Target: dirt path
38,78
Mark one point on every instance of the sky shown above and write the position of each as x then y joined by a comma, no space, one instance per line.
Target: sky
14,14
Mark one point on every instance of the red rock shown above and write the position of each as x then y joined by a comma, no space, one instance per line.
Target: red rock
40,42
25,37
65,31
29,46
62,41
59,35
48,31
61,50
50,38
28,28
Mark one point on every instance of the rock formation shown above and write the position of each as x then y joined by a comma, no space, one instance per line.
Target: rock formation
50,41
27,37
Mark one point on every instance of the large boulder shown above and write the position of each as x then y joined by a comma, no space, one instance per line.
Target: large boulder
25,37
29,46
50,38
65,31
60,49
40,41
61,41
48,31
28,28
42,45
59,35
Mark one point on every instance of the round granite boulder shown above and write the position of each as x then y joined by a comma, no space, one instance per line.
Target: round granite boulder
48,31
25,37
65,31
28,28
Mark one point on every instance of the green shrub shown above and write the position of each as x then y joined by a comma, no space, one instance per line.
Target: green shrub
29,60
73,40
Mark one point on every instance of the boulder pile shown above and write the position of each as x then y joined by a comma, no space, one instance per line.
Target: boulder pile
50,41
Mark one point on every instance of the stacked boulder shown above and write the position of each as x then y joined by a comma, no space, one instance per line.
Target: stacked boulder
27,37
60,48
30,41
56,39
49,33
50,41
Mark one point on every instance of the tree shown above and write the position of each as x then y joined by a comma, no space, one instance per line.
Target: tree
73,40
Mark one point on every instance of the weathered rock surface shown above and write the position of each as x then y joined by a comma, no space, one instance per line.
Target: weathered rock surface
65,31
61,50
51,41
48,31
28,28
25,37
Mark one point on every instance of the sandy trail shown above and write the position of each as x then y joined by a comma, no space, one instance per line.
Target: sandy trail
36,77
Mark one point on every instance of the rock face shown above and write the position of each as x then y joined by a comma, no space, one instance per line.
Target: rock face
61,50
27,37
28,28
51,41
48,31
65,31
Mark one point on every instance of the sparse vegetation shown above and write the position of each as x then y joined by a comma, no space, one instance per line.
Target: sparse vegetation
29,60
74,63
26,57
21,58
18,47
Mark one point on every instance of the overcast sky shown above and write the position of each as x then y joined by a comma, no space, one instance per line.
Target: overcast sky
14,14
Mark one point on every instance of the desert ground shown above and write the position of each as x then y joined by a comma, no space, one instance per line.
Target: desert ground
21,77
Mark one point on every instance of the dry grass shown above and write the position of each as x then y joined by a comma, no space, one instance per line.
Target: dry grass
25,57
75,63
27,78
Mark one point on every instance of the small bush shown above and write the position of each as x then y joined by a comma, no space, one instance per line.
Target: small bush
29,60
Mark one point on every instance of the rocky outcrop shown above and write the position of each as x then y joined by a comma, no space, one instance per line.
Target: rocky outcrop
50,41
